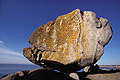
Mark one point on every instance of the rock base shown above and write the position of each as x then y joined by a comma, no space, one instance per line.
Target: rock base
45,74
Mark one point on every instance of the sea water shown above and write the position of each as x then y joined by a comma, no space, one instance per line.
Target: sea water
6,69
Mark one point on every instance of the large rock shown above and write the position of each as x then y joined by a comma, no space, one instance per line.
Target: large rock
73,41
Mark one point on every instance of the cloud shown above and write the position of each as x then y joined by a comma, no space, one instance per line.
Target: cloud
10,52
9,56
1,42
5,50
9,59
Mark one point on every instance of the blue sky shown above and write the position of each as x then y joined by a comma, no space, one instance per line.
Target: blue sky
19,18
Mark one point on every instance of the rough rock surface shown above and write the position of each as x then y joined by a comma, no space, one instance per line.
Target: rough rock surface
73,41
92,68
74,76
21,75
107,76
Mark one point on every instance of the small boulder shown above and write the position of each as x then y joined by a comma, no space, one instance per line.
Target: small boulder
74,76
92,68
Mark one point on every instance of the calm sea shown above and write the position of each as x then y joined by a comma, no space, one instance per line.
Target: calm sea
6,69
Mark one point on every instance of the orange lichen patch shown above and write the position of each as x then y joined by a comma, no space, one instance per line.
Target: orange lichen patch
67,32
62,37
45,55
100,18
42,36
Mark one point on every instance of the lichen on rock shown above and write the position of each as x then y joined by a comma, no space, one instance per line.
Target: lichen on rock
73,41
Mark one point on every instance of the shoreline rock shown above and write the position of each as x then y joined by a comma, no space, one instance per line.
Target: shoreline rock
45,74
20,75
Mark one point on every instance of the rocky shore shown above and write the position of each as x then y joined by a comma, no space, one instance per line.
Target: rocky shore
45,74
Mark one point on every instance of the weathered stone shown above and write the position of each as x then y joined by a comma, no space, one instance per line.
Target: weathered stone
73,41
103,76
94,68
21,75
74,76
86,69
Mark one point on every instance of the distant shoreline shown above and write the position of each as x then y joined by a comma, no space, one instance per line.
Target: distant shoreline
109,65
34,64
15,64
